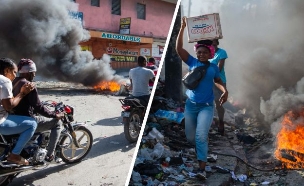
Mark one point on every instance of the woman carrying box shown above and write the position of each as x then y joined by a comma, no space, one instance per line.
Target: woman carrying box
199,108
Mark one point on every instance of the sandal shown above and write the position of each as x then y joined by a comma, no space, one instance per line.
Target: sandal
17,159
201,174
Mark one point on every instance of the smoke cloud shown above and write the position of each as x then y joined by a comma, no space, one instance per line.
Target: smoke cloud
281,101
265,51
45,32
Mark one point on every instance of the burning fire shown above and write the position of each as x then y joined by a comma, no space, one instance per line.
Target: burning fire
290,140
108,85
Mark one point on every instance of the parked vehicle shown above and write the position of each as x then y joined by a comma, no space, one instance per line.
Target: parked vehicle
132,117
134,110
74,144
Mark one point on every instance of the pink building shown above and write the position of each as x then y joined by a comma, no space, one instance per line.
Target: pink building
125,29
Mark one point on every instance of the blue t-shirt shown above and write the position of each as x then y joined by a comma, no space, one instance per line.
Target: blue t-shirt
203,93
220,54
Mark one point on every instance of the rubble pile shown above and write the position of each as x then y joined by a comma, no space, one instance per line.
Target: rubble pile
244,156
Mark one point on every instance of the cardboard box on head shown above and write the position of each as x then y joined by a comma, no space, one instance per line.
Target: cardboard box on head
204,27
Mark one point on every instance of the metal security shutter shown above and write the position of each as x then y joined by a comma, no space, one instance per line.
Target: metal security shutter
141,11
116,7
95,3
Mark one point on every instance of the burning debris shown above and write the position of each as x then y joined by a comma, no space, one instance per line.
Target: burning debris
45,32
110,85
285,110
290,141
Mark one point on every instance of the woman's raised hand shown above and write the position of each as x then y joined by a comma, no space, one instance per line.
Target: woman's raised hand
183,25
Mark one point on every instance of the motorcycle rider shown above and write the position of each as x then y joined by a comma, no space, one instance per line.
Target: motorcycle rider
30,105
139,78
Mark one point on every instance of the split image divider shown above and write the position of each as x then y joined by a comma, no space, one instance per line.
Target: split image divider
174,75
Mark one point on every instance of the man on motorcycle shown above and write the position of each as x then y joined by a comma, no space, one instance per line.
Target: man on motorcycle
139,78
30,105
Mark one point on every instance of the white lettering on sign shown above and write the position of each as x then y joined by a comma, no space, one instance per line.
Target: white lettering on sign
126,52
120,37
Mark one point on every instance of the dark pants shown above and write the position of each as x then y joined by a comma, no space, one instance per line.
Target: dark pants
220,109
52,124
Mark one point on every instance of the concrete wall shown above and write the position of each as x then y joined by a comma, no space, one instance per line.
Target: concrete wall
158,17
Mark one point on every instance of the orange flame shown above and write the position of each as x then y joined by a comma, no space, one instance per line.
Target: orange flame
108,85
290,140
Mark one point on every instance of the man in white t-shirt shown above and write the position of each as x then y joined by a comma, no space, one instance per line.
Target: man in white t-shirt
139,78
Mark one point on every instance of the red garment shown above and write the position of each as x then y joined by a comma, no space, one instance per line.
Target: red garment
154,68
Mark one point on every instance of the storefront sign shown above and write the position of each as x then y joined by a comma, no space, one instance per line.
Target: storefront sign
84,48
125,21
120,37
124,58
124,27
126,52
161,49
145,52
157,60
77,15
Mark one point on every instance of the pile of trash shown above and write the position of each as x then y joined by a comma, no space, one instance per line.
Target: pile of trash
165,157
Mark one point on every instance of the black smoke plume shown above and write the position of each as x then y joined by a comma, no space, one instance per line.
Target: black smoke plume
45,32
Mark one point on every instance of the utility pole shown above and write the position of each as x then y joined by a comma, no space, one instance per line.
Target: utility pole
173,65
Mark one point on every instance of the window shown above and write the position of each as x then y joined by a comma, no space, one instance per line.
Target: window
95,3
116,7
141,11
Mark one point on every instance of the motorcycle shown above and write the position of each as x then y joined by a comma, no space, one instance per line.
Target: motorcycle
132,117
133,114
74,143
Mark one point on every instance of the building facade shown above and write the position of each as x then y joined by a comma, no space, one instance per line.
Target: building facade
126,29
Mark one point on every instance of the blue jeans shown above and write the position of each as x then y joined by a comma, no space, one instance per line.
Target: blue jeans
198,119
23,125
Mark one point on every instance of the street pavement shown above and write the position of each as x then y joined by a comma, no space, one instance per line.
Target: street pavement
109,160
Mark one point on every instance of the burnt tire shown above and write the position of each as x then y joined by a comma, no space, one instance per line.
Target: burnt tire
72,154
132,126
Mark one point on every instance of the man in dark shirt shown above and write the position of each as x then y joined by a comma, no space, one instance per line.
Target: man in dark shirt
30,105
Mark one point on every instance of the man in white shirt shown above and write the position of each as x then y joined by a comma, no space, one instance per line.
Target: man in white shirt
139,78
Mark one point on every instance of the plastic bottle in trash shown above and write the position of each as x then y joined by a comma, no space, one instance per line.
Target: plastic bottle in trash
158,135
157,151
155,134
